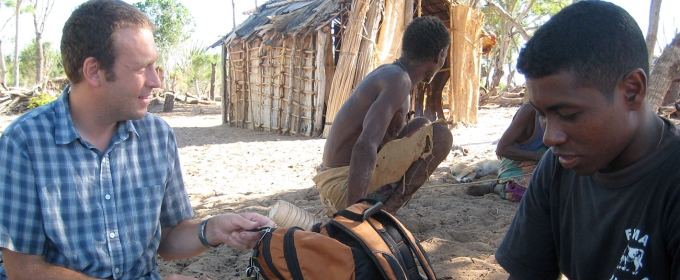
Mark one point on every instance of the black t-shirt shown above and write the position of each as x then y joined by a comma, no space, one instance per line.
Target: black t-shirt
621,225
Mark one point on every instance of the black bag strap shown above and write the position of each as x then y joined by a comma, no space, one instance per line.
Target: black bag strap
412,244
376,210
267,254
290,254
340,227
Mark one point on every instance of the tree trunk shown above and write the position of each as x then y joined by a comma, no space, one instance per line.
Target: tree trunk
499,62
212,81
433,106
38,51
654,10
233,14
41,9
673,92
16,44
666,69
3,67
198,92
39,58
511,75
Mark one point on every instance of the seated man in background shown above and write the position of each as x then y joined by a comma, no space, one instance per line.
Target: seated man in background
604,202
520,148
90,184
371,151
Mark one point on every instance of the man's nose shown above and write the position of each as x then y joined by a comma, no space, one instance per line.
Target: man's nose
153,80
553,134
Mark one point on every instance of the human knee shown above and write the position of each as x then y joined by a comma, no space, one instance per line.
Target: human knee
418,122
442,137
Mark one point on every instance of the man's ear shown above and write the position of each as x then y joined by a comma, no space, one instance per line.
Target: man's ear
91,72
635,87
440,55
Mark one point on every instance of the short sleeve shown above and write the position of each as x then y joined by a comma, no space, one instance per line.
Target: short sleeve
21,226
528,250
176,205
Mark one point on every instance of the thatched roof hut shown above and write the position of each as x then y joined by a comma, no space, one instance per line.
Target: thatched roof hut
280,64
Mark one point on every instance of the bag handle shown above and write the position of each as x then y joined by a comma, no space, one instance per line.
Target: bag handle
365,214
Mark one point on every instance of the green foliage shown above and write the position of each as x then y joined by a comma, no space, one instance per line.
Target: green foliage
539,13
201,64
548,7
28,60
194,63
40,100
174,24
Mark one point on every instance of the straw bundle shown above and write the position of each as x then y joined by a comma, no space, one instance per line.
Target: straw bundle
343,80
392,26
466,25
364,62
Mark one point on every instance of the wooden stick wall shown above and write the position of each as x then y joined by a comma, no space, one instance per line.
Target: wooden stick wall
274,88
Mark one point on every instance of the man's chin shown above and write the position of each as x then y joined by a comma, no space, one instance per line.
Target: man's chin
139,115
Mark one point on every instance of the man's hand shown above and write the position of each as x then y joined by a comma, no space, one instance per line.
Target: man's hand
233,229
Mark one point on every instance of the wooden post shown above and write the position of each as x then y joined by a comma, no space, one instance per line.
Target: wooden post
211,95
169,103
322,41
420,8
226,85
289,121
246,85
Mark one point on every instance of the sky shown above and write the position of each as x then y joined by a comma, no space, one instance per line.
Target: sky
213,20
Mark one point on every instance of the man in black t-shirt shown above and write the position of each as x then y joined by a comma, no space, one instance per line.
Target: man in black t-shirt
604,203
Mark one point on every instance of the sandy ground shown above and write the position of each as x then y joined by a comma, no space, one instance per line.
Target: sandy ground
228,169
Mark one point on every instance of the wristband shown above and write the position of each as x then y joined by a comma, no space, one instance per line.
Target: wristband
201,234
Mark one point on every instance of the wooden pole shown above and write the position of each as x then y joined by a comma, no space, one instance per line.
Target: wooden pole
228,90
243,108
420,8
322,41
408,13
291,81
233,14
211,95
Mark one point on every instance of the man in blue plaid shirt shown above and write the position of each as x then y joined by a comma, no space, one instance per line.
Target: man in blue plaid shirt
90,184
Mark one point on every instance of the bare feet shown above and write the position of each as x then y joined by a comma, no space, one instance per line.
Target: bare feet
480,190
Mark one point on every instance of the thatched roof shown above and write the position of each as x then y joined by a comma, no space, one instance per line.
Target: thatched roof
284,17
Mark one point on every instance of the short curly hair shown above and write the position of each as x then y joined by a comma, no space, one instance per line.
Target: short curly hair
89,30
424,38
597,41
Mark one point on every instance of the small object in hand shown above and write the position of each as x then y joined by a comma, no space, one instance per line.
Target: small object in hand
258,229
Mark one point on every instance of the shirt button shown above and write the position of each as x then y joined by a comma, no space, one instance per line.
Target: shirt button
112,235
116,270
107,197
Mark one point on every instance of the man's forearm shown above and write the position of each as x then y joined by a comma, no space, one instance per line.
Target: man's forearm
360,172
23,266
181,241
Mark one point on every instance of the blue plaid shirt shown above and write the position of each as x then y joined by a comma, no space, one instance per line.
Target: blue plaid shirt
93,212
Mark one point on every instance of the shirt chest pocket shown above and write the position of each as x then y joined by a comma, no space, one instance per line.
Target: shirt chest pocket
141,207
